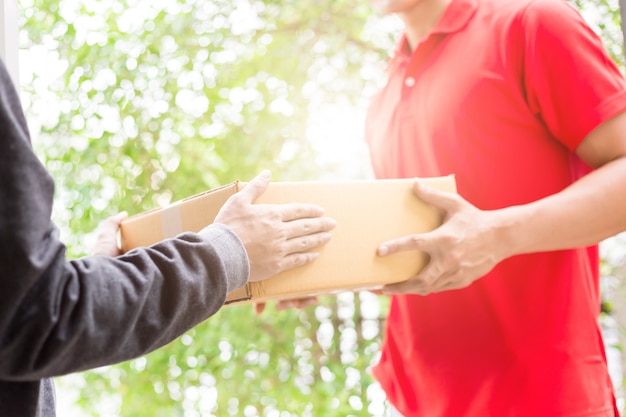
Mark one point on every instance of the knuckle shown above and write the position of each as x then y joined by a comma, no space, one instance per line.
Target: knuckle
298,212
415,240
423,282
446,240
297,260
275,216
283,248
276,266
266,222
323,238
439,270
454,257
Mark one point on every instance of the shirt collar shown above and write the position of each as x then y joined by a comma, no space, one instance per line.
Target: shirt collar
456,17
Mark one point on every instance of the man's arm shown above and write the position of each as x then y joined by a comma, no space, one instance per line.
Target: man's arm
99,310
471,241
581,99
59,316
589,211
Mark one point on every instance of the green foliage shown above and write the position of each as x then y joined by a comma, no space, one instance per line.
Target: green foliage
154,102
134,104
604,17
309,362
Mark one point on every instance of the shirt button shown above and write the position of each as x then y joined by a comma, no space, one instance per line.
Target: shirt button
409,81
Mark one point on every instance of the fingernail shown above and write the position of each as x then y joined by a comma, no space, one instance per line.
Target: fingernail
266,173
383,250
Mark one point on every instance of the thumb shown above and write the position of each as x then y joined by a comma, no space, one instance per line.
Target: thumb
111,224
446,201
255,188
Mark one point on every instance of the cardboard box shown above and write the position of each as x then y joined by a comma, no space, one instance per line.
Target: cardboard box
367,214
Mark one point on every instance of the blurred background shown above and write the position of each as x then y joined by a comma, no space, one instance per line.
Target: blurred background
135,104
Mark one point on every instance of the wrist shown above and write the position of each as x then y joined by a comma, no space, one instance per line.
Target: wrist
512,232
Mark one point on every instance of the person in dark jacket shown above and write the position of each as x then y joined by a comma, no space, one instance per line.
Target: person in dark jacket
59,316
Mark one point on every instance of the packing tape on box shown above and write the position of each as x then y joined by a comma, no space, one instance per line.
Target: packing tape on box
241,294
172,221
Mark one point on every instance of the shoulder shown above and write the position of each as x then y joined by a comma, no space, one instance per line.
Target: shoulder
540,25
530,12
550,15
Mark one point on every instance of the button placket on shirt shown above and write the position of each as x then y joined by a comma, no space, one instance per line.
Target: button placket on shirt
418,62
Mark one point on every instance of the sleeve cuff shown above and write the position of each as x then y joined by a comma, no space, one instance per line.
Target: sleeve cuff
232,251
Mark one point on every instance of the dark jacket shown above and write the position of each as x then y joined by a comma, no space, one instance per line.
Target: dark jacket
59,316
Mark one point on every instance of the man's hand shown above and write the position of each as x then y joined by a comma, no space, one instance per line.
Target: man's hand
281,305
277,237
106,242
463,249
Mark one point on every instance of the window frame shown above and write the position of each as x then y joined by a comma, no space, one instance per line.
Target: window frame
9,36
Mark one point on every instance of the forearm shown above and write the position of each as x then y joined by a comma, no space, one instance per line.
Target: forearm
98,310
587,212
58,316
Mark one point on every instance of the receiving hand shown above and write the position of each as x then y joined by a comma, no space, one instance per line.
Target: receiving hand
287,304
277,237
463,249
106,242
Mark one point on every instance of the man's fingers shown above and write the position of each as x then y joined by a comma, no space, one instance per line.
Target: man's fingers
281,305
106,241
298,259
295,303
433,278
259,308
404,287
255,188
441,199
305,227
411,242
295,211
304,243
111,224
108,227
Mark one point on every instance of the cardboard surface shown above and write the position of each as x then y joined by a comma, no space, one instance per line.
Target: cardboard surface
367,214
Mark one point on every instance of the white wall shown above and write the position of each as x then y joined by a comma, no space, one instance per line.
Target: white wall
9,37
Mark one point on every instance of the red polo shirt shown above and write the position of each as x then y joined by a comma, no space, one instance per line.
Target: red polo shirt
499,94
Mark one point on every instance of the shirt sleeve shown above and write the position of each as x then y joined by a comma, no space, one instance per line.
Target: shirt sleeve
59,316
571,82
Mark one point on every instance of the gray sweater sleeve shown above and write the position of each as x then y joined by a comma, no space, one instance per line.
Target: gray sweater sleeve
59,316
